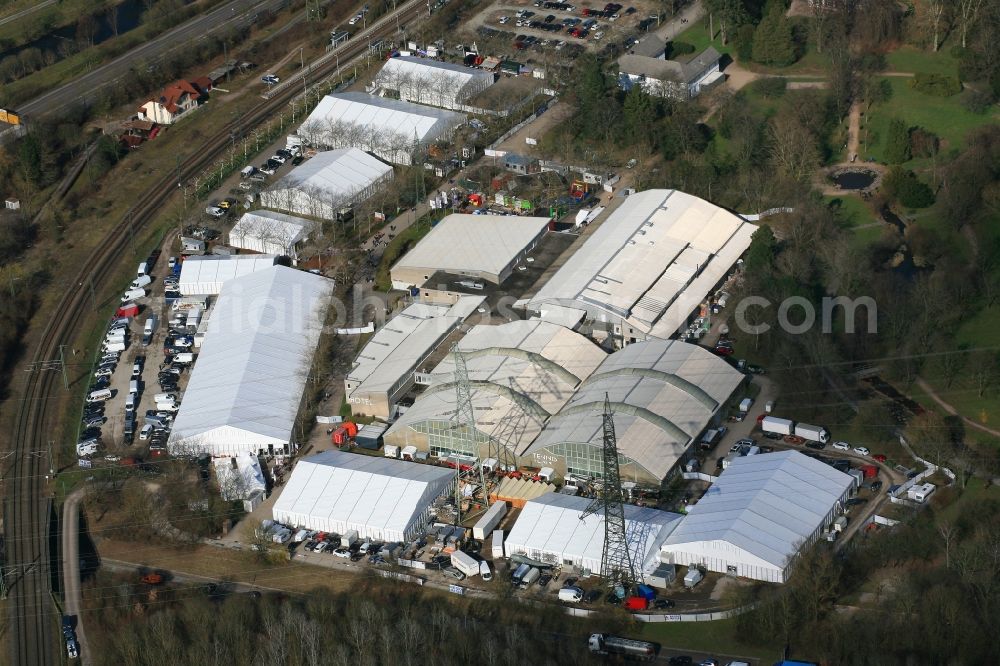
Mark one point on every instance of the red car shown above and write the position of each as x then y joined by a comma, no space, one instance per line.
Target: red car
879,457
794,439
724,351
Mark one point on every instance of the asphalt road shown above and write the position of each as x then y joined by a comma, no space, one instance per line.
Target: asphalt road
71,568
87,86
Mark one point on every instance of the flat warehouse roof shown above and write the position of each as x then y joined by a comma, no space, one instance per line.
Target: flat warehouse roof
651,262
404,340
486,243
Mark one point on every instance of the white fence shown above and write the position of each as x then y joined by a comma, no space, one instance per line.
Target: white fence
699,476
673,617
767,213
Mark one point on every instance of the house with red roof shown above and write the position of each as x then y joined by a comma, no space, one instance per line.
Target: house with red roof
175,101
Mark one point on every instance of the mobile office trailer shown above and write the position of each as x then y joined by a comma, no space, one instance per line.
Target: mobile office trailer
464,563
497,544
777,426
490,520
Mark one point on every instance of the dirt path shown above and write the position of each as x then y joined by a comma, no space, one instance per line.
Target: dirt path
853,131
924,386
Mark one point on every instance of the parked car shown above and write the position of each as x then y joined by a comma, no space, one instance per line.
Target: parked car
544,580
342,552
876,486
215,211
841,446
452,572
663,603
270,79
280,159
862,450
592,596
856,501
794,439
819,446
879,457
680,660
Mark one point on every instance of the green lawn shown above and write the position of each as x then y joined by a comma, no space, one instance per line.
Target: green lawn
697,36
854,212
910,59
944,116
716,638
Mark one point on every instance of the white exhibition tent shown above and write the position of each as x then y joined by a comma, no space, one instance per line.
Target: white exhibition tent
245,389
270,233
381,498
433,82
328,182
758,514
207,274
549,529
390,128
240,476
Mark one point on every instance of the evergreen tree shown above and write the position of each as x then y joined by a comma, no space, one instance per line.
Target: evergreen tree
773,42
640,114
897,142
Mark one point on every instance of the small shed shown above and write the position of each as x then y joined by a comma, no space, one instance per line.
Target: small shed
370,436
10,203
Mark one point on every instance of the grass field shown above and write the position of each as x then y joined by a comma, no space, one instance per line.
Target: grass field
853,211
715,638
697,35
944,116
910,59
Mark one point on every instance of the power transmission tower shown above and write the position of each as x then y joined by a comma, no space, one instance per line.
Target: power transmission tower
616,560
465,421
507,434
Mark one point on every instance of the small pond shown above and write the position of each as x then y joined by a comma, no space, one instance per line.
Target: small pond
854,179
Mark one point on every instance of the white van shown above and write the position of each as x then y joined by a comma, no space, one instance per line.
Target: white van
184,358
99,395
141,281
133,294
113,346
87,448
571,595
130,402
133,386
484,571
247,171
143,269
164,397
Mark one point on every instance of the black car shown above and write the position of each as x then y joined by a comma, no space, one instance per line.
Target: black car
592,596
544,580
819,446
569,582
297,160
856,501
680,660
876,486
773,435
612,599
663,603
284,152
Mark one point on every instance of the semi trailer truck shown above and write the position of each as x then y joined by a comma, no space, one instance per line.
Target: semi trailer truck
627,647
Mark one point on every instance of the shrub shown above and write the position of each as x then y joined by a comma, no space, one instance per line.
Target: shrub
977,101
936,84
904,186
923,143
675,49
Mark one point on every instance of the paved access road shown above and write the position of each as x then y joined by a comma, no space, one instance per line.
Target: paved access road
71,568
87,86
27,12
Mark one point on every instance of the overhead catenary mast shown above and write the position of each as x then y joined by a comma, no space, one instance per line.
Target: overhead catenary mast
465,421
617,566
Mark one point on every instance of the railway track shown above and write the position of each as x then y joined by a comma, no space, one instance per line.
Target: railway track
32,617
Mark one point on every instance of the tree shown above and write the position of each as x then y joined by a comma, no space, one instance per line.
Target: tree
904,186
793,148
86,29
773,42
936,12
29,158
968,13
639,116
984,367
897,142
730,13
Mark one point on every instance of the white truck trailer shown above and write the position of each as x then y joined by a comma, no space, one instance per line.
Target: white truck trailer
777,426
812,433
490,520
464,563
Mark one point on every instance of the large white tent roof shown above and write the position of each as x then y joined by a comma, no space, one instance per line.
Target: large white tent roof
370,116
208,274
766,505
271,228
549,528
244,391
651,263
460,242
336,173
663,394
443,75
366,493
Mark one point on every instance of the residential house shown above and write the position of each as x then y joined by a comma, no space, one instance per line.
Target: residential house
175,101
671,78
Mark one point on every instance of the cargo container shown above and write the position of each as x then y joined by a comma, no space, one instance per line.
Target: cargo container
126,311
370,436
777,426
344,434
464,563
692,577
745,405
870,471
646,592
489,520
636,603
